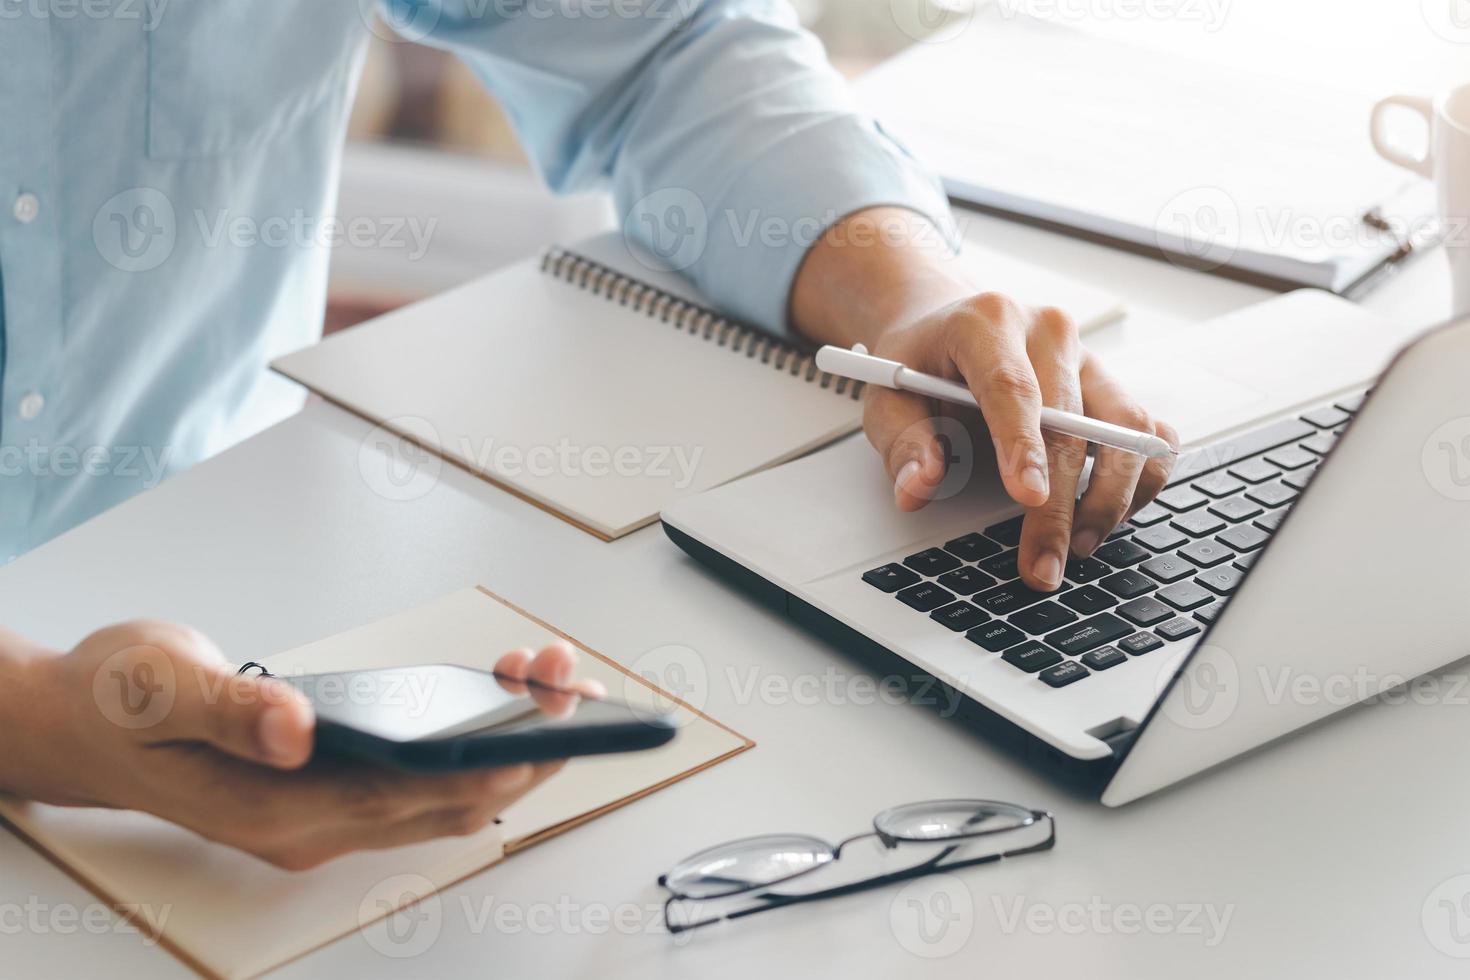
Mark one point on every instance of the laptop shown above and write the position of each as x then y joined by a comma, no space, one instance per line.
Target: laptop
1309,553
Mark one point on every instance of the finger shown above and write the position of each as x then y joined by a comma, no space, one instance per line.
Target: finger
900,425
551,673
255,718
989,348
553,665
1046,532
459,821
1105,502
512,669
1115,475
1155,475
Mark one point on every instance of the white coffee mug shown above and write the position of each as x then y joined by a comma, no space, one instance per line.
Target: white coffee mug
1446,161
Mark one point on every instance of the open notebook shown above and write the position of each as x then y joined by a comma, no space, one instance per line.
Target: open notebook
601,389
227,914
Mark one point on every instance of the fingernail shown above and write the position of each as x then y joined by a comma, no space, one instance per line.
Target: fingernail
1085,542
277,733
1048,569
907,473
1033,478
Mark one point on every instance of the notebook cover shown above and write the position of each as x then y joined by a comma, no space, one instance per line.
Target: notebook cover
597,400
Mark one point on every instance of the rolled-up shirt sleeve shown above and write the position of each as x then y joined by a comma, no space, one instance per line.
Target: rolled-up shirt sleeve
730,143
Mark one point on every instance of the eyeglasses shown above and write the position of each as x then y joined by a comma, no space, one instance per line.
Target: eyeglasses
966,833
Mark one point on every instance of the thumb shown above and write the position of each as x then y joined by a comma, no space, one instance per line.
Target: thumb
259,719
900,426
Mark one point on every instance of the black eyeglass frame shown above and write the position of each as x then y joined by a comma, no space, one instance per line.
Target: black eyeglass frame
772,900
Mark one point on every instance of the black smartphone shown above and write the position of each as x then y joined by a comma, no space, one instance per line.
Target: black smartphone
443,717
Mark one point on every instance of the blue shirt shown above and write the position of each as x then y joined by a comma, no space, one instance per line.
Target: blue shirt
168,170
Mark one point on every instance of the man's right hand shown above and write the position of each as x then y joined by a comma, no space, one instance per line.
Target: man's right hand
148,716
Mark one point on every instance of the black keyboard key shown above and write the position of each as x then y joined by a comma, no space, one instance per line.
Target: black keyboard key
1010,597
932,561
1207,614
995,636
1270,521
1067,672
1121,553
1148,515
1235,509
1088,599
1198,523
1001,566
1185,596
1222,580
1247,444
1272,494
972,547
1088,634
1160,537
1300,479
1177,629
1042,617
966,581
1321,443
1128,583
1181,498
1084,570
1168,568
1140,643
1121,531
890,577
1145,611
959,616
1007,532
1254,471
1244,537
1103,657
1206,553
925,596
1218,484
1326,418
1290,457
1031,657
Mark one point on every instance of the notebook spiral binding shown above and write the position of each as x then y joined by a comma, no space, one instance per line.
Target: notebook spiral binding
691,318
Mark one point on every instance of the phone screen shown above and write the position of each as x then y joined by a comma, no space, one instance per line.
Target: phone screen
409,704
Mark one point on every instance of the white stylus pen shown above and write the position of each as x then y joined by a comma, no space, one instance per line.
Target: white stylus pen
859,365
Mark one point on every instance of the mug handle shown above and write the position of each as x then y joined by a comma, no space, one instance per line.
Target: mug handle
1423,165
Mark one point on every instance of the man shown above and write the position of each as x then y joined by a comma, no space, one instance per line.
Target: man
127,328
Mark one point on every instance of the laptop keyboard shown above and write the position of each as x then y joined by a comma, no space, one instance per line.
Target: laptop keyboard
1160,577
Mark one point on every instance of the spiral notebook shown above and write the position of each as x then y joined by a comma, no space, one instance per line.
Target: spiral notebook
597,386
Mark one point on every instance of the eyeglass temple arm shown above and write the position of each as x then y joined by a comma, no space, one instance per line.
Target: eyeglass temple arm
776,901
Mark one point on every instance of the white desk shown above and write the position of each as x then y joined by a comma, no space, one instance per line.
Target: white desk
1323,851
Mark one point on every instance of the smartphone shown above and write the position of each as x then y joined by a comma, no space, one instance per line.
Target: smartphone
444,717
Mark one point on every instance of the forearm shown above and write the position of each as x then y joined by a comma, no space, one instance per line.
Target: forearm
873,270
24,707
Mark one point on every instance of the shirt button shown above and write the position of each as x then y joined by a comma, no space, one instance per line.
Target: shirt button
31,404
27,206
